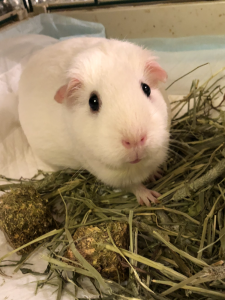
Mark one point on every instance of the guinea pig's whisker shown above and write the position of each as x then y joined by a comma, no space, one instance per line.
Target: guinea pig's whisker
78,171
172,141
175,153
183,146
177,147
177,142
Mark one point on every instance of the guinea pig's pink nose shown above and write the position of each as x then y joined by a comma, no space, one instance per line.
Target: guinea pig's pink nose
139,141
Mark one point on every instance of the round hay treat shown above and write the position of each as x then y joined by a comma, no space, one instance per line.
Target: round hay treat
24,216
88,240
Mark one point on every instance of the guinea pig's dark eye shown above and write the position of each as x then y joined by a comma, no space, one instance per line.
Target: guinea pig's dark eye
146,89
94,102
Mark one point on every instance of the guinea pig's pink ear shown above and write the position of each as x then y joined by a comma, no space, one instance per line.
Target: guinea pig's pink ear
155,73
61,94
67,90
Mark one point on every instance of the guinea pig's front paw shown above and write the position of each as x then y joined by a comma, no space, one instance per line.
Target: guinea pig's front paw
145,196
156,175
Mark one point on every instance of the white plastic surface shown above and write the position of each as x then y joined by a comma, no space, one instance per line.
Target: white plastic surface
16,157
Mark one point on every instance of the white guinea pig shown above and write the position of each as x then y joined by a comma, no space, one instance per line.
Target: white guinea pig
94,103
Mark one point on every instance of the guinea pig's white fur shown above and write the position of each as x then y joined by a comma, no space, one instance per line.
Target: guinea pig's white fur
69,134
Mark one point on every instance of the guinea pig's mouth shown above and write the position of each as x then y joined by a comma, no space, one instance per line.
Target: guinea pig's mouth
137,160
136,157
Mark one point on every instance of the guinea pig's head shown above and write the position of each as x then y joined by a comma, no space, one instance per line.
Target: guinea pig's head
116,112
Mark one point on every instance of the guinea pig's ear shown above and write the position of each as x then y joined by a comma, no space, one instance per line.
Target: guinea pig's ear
67,90
155,73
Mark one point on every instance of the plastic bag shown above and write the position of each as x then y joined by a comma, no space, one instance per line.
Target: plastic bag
56,26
